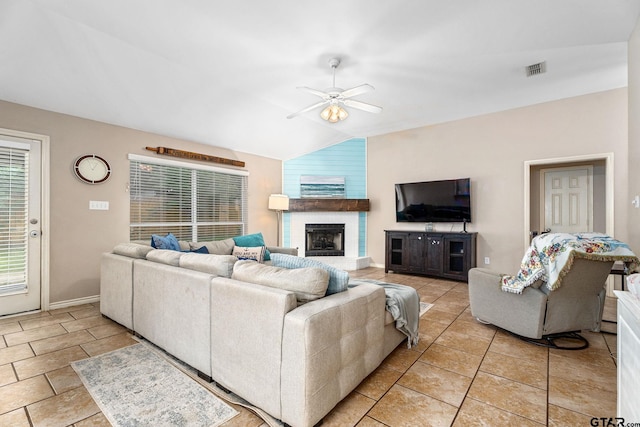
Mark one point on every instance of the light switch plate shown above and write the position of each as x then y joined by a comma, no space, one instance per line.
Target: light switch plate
98,205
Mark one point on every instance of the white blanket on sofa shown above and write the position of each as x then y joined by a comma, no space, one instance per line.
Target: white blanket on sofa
403,302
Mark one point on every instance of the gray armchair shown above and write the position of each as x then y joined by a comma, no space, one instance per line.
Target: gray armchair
539,315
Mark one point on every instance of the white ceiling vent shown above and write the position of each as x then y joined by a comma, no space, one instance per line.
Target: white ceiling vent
535,69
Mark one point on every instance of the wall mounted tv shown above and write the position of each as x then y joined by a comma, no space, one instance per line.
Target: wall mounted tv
434,201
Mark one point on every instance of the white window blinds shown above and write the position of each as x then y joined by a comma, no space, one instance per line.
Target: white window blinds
194,202
14,203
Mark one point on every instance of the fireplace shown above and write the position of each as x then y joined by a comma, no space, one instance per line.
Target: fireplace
324,239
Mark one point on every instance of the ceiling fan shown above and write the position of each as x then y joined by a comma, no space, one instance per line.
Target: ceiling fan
334,98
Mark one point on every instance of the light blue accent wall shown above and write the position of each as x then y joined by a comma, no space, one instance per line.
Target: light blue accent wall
347,159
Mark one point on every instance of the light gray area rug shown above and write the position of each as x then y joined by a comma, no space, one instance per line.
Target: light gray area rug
424,307
136,386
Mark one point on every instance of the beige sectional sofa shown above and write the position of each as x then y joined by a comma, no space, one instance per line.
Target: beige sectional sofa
294,361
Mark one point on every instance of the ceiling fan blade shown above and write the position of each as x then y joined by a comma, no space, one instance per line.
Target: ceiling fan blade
309,108
356,90
362,106
321,94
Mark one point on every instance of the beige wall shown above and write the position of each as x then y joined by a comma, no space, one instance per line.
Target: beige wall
492,149
634,138
78,236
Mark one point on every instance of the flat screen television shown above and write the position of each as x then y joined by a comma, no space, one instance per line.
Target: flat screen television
434,201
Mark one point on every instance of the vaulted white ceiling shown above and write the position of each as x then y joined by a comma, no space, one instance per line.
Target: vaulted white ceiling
225,73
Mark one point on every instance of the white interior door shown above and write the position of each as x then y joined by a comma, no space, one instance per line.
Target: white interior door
568,199
20,232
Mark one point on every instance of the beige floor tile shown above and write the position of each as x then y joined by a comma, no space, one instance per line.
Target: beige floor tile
453,360
97,420
349,411
63,379
463,342
22,393
34,334
597,358
86,323
369,422
63,409
68,309
511,396
85,312
16,418
505,343
106,330
435,314
451,306
438,383
582,398
401,359
40,322
379,382
560,417
3,344
63,341
10,319
108,344
527,371
10,328
583,373
474,413
12,354
404,407
473,328
48,362
7,376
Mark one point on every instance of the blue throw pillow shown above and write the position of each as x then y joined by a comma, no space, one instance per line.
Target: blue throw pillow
200,250
252,241
167,242
338,279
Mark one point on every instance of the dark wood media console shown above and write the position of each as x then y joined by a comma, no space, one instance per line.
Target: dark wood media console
433,253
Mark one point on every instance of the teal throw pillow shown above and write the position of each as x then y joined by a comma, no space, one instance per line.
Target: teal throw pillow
252,241
167,242
338,279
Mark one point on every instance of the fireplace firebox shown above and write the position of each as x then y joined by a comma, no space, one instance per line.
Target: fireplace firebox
324,239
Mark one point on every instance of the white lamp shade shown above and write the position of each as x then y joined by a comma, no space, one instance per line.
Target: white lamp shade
279,202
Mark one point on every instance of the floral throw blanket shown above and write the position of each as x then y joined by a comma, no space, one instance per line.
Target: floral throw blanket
551,255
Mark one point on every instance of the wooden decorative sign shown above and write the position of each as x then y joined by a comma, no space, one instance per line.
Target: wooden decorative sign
194,156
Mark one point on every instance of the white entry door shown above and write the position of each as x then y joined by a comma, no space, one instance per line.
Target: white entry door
20,232
568,199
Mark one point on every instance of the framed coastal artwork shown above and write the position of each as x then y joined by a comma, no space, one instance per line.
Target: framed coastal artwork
331,187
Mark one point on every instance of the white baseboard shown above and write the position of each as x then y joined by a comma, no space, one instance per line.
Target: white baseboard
72,302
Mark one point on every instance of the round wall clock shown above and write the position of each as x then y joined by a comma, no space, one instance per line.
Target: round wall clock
92,169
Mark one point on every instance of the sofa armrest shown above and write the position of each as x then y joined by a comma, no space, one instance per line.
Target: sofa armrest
525,313
283,250
116,288
330,345
246,339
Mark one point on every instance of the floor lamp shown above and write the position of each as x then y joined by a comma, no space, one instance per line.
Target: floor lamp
279,203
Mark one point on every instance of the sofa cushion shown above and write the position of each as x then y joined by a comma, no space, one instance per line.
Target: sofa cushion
132,250
218,247
252,240
307,283
165,256
219,265
338,279
165,242
245,253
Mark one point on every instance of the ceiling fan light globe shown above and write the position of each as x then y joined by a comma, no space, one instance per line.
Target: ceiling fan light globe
326,113
342,113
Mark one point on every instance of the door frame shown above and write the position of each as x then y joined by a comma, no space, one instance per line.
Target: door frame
44,207
609,187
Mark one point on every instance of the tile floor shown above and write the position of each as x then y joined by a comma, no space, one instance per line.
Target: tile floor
462,372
